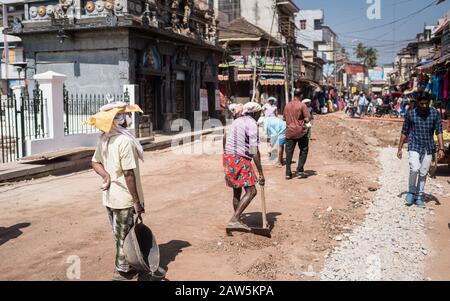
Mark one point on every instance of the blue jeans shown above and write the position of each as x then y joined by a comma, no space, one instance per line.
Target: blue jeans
419,165
362,110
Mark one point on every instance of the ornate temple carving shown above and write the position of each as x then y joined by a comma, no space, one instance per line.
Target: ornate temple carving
191,18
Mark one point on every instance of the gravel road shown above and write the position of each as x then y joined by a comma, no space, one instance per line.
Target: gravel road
391,243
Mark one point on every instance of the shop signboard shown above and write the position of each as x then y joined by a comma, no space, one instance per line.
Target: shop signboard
204,100
267,64
218,104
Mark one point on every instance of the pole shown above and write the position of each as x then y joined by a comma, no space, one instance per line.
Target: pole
5,43
292,74
286,92
254,77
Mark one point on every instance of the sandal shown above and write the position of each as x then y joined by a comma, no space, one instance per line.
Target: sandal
237,226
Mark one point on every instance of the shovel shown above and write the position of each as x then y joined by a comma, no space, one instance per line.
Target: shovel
265,229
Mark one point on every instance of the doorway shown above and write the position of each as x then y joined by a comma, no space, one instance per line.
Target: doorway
150,100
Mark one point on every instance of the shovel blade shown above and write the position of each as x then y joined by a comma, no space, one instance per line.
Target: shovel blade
262,232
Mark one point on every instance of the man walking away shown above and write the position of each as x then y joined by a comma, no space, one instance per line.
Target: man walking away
296,115
241,147
116,160
419,128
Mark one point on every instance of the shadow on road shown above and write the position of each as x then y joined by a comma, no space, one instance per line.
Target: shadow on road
8,233
428,198
310,173
168,253
442,171
254,219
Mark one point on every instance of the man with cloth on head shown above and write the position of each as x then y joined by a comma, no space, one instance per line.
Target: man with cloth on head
275,129
270,109
116,160
240,149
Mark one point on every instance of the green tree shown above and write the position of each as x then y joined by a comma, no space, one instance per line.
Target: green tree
371,57
368,55
344,54
360,51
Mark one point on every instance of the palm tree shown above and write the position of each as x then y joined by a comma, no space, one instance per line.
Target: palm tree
344,54
360,51
371,57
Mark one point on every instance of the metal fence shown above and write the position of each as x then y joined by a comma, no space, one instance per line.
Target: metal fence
79,107
21,118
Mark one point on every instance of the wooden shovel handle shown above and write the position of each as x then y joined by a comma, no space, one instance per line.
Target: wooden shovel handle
263,203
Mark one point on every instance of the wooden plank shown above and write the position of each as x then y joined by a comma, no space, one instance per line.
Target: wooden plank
77,153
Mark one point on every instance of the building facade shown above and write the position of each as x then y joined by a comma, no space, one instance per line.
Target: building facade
12,71
315,35
276,19
166,48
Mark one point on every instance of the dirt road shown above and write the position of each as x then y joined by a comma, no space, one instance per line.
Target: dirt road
43,222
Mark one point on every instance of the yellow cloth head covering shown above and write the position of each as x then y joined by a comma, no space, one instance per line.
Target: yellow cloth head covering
104,120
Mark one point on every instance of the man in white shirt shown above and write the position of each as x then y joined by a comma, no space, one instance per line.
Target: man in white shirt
116,160
270,109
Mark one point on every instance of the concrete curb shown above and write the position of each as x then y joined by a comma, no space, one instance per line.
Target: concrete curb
14,172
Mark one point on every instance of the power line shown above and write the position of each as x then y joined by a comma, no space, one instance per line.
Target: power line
398,20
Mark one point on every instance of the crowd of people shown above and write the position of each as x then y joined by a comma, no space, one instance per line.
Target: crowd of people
118,152
362,104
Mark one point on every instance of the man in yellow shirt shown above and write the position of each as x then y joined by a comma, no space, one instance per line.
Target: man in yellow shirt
116,160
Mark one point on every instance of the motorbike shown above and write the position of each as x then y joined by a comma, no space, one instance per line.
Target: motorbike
350,110
371,110
387,110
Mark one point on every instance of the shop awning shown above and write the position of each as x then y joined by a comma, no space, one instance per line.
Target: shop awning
240,77
223,78
245,77
377,89
272,82
310,82
429,65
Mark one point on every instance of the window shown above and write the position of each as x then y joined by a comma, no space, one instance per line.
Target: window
303,24
235,49
230,7
318,24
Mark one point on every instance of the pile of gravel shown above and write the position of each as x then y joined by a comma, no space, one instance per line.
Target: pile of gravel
390,245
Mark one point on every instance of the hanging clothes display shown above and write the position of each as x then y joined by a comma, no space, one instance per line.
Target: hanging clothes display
445,92
436,87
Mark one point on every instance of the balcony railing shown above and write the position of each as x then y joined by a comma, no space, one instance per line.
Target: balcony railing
287,27
288,6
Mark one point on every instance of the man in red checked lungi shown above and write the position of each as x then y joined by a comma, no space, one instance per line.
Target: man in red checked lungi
240,149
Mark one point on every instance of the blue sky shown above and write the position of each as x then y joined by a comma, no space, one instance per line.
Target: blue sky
347,16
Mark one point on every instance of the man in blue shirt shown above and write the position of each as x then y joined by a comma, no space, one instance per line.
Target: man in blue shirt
363,104
275,128
419,128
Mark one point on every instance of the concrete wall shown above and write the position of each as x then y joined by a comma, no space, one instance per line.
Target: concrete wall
87,71
94,62
424,51
260,13
308,36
